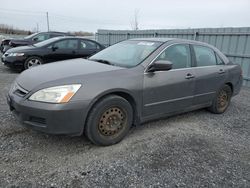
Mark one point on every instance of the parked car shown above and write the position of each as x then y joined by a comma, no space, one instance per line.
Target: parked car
29,40
128,83
55,49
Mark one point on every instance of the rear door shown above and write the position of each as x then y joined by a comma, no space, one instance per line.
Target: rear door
210,74
170,91
88,48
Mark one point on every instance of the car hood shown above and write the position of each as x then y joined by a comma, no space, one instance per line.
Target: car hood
21,49
6,39
20,41
63,72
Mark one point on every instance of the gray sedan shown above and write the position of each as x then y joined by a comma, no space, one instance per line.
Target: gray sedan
128,83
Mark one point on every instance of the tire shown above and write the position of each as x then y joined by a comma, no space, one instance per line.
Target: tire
221,100
109,121
32,62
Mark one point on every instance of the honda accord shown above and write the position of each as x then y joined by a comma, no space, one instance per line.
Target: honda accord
129,83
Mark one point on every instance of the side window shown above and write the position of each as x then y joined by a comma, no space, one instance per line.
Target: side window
204,56
88,45
178,54
41,37
55,35
72,44
66,44
219,60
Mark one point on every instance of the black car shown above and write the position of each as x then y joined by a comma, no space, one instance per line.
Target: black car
31,39
55,49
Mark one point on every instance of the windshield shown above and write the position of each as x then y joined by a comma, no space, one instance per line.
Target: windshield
46,42
127,53
30,36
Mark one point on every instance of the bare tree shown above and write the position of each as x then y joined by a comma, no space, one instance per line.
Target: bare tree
8,29
134,21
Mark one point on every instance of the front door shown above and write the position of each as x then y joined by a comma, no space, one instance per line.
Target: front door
170,91
63,49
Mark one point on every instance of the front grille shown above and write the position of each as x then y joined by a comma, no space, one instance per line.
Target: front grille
37,120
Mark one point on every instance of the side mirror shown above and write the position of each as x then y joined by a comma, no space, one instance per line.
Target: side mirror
54,48
160,65
35,39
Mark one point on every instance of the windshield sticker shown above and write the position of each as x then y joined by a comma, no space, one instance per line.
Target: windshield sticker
146,43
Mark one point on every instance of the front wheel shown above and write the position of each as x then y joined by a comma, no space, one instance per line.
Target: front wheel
32,62
109,120
221,100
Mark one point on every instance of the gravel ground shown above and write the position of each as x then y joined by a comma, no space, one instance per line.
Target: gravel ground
196,149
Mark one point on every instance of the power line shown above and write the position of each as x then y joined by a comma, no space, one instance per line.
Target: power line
53,19
68,18
20,13
25,11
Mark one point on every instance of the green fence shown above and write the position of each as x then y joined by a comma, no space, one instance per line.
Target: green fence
233,42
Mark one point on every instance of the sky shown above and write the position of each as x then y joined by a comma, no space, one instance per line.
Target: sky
91,15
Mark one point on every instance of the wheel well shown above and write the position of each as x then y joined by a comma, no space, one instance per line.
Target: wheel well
126,96
231,86
33,56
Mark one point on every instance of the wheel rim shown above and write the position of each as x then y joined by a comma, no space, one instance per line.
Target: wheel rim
33,63
222,101
112,122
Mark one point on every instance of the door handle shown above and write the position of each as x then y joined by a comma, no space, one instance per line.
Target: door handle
221,71
189,76
73,52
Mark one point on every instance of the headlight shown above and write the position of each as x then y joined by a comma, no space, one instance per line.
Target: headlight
16,54
58,94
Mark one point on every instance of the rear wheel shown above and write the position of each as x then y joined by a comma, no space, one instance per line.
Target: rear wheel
32,62
222,100
109,120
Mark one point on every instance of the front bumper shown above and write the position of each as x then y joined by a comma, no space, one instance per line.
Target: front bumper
11,61
66,118
1,48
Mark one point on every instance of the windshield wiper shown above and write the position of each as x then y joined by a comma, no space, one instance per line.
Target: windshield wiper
102,61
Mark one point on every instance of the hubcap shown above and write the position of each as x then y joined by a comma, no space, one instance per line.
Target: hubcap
112,121
34,62
222,101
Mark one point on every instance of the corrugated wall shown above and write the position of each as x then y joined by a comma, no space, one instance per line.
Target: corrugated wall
233,42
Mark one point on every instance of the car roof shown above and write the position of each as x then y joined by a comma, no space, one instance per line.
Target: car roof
164,40
54,39
56,32
73,37
153,39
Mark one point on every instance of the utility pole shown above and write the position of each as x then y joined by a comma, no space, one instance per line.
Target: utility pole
37,27
47,14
